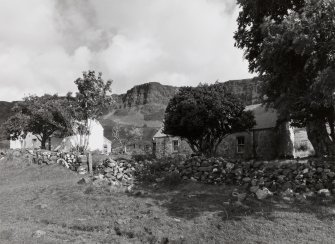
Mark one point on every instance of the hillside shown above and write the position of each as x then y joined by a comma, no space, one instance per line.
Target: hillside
144,105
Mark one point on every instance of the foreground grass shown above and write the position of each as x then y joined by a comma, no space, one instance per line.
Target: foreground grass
48,198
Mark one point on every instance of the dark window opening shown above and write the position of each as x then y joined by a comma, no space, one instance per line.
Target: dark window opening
240,144
175,145
154,147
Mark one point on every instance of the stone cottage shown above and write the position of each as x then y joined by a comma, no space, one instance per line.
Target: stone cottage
267,140
166,145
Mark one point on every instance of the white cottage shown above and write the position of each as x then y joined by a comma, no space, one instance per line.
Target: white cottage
30,142
96,141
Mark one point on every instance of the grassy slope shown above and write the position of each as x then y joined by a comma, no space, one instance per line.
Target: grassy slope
143,105
47,198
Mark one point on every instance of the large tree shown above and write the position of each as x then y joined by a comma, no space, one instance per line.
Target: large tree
249,35
43,116
204,116
295,58
89,103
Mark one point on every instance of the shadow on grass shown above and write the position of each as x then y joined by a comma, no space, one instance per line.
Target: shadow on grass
191,200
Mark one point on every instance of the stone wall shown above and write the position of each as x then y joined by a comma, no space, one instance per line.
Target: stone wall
260,144
228,147
164,146
266,144
296,176
301,176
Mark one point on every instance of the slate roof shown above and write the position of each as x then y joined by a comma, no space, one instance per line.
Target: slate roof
160,133
265,118
107,140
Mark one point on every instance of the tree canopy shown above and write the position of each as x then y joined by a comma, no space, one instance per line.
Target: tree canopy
204,116
295,58
43,116
93,96
89,103
249,35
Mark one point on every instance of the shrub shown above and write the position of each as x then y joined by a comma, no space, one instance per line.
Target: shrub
149,171
172,179
142,157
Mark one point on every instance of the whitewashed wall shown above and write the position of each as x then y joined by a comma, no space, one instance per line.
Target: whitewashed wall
96,140
30,141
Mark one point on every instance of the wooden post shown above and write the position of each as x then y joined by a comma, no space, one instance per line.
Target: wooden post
90,163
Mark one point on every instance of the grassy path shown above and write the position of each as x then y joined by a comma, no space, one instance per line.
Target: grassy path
48,198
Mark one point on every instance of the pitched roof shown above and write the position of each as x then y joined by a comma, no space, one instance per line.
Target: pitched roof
107,140
265,117
160,133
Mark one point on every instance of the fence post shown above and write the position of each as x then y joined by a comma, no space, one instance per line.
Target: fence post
90,163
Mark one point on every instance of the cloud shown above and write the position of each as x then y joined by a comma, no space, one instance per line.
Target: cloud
46,44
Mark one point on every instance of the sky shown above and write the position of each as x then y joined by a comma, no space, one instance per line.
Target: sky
46,44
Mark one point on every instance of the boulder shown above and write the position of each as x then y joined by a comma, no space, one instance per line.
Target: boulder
205,169
246,179
324,192
254,189
83,181
263,193
82,159
39,233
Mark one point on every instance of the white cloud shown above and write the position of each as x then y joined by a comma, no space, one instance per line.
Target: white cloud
46,44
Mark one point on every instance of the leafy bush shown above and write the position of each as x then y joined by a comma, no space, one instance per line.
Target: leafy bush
142,157
98,158
149,171
172,179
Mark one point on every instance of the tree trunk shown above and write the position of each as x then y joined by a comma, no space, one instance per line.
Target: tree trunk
49,143
319,137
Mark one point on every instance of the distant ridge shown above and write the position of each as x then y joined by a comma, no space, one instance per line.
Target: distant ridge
144,105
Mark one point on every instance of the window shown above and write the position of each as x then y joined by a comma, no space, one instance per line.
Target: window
175,145
154,147
240,144
34,142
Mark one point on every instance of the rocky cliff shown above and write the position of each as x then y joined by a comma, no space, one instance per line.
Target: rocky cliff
248,90
144,105
148,93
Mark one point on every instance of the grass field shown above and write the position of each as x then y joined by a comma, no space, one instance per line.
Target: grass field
48,199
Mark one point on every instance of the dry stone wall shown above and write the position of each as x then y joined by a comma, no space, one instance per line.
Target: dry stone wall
299,176
310,175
